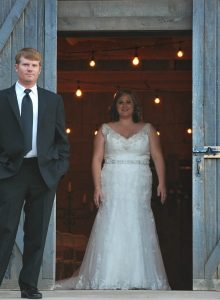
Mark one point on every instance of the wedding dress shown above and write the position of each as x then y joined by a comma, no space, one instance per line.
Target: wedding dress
123,250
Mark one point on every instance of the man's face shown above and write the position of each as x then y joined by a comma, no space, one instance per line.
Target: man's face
28,71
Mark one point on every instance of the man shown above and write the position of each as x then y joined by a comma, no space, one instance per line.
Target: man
34,153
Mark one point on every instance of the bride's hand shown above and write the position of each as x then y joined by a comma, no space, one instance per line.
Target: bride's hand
97,197
162,193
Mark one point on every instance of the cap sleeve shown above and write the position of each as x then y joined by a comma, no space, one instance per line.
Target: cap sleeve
104,129
147,128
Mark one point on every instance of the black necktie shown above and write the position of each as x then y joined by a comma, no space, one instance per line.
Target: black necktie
27,120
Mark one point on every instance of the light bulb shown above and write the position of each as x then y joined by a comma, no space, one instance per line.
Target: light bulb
157,100
92,60
135,61
95,132
78,92
158,132
92,63
189,130
68,130
180,53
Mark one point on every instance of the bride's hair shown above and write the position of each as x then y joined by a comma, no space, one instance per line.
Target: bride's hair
114,116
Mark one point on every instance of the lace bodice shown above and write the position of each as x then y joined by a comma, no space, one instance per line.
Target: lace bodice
134,148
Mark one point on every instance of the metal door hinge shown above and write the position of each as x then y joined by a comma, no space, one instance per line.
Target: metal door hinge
208,151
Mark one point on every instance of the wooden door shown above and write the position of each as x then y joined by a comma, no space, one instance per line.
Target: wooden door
206,142
29,23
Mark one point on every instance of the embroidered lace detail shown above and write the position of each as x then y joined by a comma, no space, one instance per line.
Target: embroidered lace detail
123,251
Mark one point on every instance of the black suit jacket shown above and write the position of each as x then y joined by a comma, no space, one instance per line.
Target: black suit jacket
52,142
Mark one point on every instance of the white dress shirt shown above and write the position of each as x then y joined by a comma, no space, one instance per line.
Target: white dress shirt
19,89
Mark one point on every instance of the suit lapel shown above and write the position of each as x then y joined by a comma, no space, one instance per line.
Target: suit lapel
41,104
12,99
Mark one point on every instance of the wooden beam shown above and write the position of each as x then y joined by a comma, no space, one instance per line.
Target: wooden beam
124,15
11,20
50,63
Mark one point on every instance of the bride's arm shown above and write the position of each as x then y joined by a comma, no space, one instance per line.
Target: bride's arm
98,155
157,156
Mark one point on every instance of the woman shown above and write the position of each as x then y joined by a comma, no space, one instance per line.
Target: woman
123,250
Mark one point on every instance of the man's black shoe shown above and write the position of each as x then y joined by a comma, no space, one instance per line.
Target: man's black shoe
31,293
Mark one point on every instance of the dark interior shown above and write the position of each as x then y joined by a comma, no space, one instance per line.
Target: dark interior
160,73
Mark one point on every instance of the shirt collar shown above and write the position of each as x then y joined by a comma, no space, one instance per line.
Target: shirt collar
20,88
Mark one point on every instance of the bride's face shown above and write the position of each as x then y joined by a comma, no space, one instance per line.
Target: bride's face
125,106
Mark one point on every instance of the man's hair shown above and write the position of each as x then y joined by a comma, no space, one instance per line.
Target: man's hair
28,53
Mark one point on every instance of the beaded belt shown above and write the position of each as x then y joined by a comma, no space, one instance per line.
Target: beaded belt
126,161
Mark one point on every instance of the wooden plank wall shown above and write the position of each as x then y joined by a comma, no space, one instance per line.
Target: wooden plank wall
30,23
206,100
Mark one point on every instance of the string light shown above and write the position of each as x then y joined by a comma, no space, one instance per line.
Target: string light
180,52
78,90
144,46
148,88
189,130
92,61
68,130
157,129
157,100
135,60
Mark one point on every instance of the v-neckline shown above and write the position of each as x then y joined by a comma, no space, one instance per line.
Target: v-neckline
129,137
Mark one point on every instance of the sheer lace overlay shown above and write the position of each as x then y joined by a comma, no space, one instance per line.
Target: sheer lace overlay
123,250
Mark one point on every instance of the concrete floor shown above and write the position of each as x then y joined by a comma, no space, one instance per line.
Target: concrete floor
119,295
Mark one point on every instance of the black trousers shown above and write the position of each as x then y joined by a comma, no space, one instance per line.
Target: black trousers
27,189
